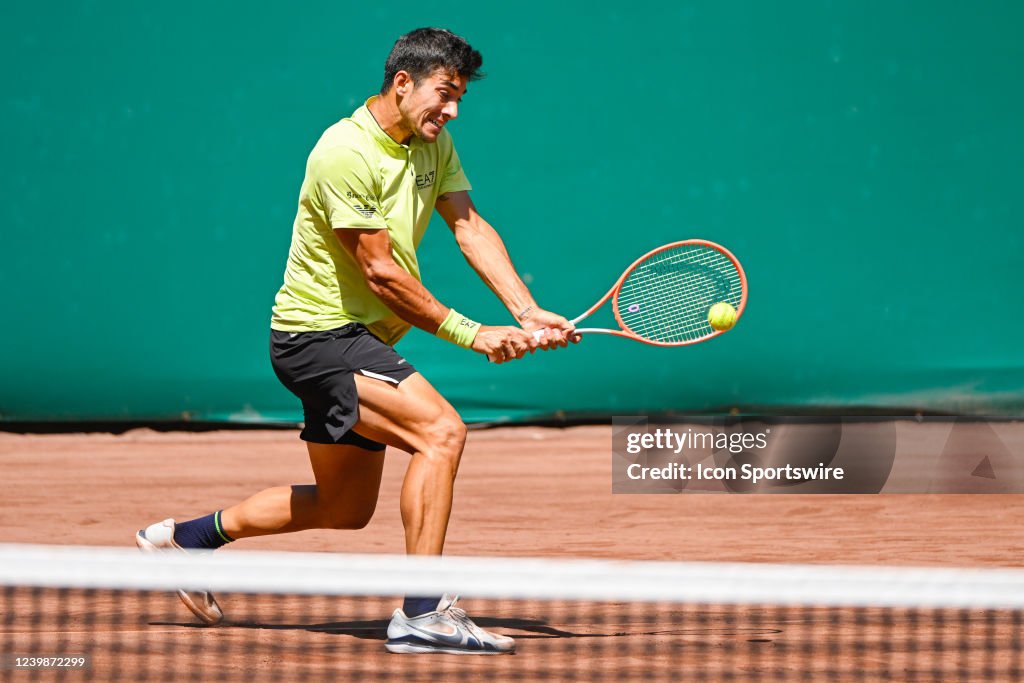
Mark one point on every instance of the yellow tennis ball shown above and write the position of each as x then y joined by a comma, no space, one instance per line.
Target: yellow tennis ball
722,316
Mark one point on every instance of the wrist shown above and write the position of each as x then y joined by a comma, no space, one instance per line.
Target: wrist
458,329
526,313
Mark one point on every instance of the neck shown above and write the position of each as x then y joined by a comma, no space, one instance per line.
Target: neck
385,111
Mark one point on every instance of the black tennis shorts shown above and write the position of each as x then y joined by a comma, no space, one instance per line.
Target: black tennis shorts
318,367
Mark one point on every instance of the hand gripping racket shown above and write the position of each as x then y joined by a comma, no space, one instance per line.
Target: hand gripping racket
664,297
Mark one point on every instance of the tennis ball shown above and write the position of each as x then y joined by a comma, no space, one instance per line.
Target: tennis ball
722,316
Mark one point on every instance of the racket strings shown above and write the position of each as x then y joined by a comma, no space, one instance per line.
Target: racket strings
666,297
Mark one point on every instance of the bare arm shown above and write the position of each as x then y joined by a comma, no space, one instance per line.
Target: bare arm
400,291
411,301
485,251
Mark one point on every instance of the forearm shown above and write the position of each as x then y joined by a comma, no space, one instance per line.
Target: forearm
411,301
486,253
406,296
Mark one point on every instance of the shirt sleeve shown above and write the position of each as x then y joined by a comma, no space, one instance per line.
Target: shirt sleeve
346,190
453,178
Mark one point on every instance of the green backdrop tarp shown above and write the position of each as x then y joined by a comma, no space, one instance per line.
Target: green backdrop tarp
862,159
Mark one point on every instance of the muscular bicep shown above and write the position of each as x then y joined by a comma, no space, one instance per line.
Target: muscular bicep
401,292
456,208
371,250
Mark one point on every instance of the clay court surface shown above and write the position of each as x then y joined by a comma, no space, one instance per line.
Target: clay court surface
525,491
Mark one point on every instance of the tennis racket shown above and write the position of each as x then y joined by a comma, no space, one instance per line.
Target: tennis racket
663,298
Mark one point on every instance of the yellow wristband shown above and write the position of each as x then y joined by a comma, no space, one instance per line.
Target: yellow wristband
458,329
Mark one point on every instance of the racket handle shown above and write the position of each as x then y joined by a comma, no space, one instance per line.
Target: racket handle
537,334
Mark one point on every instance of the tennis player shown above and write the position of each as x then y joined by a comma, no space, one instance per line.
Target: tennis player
351,290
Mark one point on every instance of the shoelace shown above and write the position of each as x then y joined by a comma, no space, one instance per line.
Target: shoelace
458,614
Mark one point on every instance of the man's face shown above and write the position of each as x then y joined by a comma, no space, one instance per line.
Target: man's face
428,105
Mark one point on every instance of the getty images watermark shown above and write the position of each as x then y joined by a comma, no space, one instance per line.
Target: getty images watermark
675,441
815,455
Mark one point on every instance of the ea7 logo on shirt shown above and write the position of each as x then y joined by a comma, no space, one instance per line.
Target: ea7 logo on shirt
425,179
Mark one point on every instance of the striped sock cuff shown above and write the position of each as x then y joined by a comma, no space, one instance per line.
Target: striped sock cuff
220,528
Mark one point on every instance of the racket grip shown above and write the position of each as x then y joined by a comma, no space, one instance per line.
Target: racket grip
537,334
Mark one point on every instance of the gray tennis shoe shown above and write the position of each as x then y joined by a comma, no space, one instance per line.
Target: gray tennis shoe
445,630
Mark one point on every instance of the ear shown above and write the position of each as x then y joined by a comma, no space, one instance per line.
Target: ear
403,83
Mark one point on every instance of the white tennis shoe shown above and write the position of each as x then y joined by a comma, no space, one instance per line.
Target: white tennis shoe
447,629
159,537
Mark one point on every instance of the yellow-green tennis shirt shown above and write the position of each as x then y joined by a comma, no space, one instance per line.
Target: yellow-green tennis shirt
357,177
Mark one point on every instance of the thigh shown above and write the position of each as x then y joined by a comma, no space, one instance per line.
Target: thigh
401,415
347,476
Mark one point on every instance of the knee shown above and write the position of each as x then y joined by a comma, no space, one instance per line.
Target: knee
449,434
346,519
344,512
446,437
355,522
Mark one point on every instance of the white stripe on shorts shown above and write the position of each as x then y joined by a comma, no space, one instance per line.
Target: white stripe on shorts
374,375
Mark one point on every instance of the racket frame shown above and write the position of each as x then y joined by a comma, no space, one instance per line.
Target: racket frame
613,294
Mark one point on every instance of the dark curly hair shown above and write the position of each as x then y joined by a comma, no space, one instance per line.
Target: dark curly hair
425,50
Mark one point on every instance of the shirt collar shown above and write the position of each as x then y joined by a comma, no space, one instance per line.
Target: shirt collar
366,119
